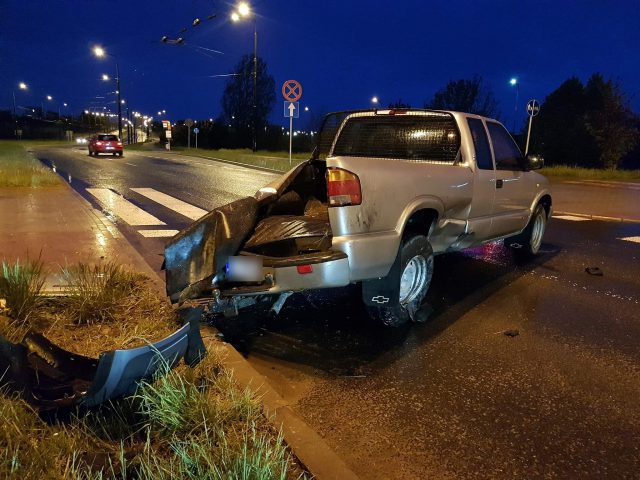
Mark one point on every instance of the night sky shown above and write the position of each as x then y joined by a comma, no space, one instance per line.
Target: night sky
343,52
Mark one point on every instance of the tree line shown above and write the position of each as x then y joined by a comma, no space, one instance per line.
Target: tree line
586,125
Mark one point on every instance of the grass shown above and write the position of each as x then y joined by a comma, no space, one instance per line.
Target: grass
98,292
20,286
273,160
590,173
189,423
19,169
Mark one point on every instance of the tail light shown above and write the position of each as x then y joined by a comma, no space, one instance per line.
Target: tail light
343,188
98,143
119,144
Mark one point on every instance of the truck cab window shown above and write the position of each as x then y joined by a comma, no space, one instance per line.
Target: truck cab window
480,143
506,152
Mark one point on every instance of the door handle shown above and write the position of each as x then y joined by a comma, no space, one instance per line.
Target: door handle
499,183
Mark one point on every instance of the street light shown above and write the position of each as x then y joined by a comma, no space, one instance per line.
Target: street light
374,100
243,10
21,86
101,53
514,83
105,77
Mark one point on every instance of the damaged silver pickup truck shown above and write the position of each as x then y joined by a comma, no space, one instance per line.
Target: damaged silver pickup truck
383,193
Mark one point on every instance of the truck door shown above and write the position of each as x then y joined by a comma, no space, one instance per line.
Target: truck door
484,187
512,195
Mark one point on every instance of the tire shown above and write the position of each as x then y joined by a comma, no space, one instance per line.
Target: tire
114,154
120,154
528,242
90,153
416,272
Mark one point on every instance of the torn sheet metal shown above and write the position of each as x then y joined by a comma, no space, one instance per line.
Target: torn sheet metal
49,377
198,253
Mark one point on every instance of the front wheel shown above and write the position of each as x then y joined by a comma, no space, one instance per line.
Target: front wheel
416,272
528,242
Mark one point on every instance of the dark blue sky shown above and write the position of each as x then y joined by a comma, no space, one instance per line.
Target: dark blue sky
343,52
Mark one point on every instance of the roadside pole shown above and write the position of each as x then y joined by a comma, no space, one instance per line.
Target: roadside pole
189,123
533,108
290,131
291,91
196,131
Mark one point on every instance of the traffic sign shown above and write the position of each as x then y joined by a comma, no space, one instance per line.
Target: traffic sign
196,130
533,108
166,124
167,134
188,122
292,109
291,90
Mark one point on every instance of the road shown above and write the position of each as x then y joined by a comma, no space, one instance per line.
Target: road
455,397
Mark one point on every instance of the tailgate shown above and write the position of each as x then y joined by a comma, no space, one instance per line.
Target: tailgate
195,255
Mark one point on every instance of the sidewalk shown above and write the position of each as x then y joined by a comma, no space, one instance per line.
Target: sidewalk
57,224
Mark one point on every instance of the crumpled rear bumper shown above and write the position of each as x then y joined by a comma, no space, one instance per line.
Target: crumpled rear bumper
49,377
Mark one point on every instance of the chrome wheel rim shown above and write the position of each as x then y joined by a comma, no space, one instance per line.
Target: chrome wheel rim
415,278
537,232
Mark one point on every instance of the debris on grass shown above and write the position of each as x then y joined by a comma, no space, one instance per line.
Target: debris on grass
193,423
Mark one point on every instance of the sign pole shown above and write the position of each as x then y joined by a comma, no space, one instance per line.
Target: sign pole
290,137
196,140
533,108
526,149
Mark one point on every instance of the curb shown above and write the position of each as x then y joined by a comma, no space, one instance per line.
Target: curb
309,447
598,217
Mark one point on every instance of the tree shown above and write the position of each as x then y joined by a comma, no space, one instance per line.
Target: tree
237,100
559,131
463,95
609,120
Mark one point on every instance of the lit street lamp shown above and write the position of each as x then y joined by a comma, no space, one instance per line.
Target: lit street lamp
374,101
243,10
101,53
514,82
21,86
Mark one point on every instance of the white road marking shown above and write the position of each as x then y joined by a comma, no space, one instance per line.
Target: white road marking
183,208
157,233
572,218
123,208
130,164
631,239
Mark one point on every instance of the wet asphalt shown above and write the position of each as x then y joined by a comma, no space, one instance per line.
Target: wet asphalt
455,397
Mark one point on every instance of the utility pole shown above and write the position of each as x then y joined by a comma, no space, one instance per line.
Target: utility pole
119,102
255,84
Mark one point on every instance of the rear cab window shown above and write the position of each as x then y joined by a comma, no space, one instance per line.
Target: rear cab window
505,151
480,144
432,137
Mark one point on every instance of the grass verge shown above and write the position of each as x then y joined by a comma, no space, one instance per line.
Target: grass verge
189,423
590,173
19,169
273,160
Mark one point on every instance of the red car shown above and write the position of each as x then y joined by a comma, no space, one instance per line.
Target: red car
105,143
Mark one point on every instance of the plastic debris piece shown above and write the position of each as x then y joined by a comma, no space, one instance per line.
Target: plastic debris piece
595,271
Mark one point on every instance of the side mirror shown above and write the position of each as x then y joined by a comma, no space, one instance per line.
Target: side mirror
534,161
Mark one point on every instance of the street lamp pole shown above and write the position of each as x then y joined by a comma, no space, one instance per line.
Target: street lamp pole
119,102
255,83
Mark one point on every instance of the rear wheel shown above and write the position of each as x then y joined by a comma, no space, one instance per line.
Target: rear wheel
416,271
114,154
120,154
529,241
